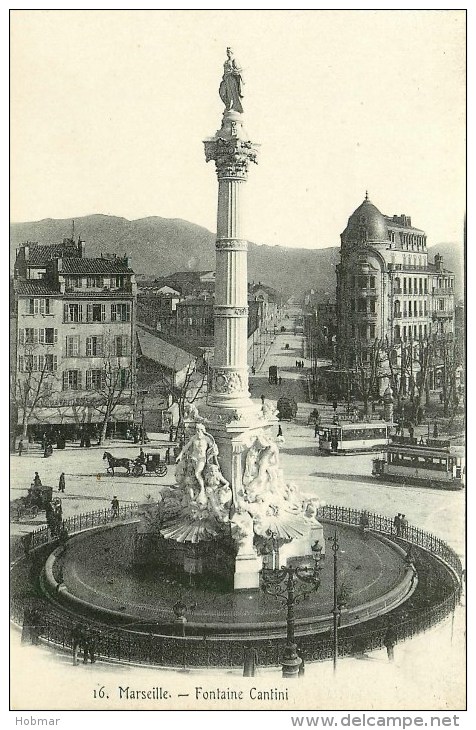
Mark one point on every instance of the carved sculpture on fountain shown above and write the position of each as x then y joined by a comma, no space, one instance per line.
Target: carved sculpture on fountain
274,504
227,381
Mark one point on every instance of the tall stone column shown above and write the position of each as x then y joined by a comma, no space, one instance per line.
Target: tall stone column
232,152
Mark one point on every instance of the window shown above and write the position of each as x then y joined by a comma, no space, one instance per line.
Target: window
410,308
47,363
372,282
30,336
124,377
96,313
121,346
72,380
372,306
48,336
363,331
441,304
409,286
117,282
94,282
404,285
28,363
372,331
362,305
72,346
73,312
120,312
73,282
420,308
94,379
420,286
38,306
94,346
425,283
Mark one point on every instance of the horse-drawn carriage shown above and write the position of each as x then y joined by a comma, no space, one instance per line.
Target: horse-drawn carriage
143,464
152,464
35,501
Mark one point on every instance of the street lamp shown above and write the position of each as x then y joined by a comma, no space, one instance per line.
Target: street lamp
292,585
338,600
143,394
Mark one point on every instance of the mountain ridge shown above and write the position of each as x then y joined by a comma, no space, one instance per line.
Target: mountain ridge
160,246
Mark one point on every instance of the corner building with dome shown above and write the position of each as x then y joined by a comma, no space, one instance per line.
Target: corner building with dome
387,290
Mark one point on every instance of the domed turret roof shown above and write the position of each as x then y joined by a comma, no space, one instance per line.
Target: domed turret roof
366,224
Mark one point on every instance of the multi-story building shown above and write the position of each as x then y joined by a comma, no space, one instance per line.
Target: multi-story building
75,332
387,290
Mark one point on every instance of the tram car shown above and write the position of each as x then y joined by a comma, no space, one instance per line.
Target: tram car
430,464
349,437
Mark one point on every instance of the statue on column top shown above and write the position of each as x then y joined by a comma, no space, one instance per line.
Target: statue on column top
231,83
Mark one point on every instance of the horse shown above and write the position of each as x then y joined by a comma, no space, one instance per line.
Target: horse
113,462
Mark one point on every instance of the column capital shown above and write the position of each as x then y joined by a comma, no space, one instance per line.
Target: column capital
232,156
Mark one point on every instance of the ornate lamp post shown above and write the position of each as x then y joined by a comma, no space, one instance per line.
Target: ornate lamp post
338,600
292,585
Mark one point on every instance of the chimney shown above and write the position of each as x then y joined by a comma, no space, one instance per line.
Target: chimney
438,262
81,247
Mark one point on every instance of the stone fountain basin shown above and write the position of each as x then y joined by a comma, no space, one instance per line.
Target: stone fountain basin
95,576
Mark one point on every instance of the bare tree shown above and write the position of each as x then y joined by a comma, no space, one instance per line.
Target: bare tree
113,389
367,370
451,359
187,391
32,385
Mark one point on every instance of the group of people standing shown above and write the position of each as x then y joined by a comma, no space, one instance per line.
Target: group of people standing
400,524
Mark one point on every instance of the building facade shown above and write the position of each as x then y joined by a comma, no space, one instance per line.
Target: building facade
74,320
387,290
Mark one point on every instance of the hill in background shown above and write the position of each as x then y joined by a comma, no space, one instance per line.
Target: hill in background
161,246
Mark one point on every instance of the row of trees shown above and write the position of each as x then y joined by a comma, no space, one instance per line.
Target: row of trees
409,367
37,388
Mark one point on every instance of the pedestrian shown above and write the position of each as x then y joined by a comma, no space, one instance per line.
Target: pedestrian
262,399
411,430
36,480
167,455
441,397
280,380
115,506
171,433
403,525
397,524
435,431
389,641
35,625
334,404
20,447
316,429
253,370
61,483
78,642
280,431
90,643
250,662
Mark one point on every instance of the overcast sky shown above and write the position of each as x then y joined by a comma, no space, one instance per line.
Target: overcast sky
109,110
